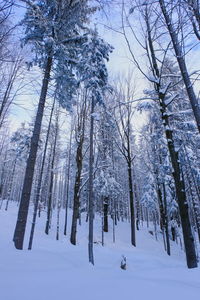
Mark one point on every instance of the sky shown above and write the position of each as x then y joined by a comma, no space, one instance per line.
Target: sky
120,65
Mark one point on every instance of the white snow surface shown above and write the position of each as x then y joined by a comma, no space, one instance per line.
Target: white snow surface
57,270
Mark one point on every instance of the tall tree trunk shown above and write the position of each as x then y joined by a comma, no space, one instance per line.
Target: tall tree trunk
28,180
40,181
166,223
105,214
180,192
102,221
75,216
91,199
58,220
178,180
49,208
131,203
45,186
164,215
80,136
67,182
161,207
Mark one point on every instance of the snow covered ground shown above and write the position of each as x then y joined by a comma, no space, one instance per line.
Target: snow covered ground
56,270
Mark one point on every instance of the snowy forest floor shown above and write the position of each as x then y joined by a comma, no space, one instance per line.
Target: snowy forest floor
57,270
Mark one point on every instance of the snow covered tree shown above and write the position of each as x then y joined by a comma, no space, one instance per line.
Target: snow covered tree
11,62
123,119
106,186
161,94
39,184
80,126
51,26
181,60
92,66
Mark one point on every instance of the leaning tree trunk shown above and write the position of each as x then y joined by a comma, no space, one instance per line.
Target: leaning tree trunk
28,180
91,200
180,192
182,65
40,181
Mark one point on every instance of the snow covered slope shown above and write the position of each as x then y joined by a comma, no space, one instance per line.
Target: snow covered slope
56,270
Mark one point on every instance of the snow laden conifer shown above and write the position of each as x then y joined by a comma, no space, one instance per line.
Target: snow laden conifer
20,141
93,72
106,182
92,67
52,28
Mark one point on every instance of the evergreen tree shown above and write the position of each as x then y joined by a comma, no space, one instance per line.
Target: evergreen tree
95,77
51,26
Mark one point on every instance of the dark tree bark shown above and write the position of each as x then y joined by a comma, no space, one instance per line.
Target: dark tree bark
40,181
137,203
90,187
161,207
178,180
180,192
28,180
166,223
80,136
58,220
75,216
130,180
105,214
49,206
125,149
131,201
164,215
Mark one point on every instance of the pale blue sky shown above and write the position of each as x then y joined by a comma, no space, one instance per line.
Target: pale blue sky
119,61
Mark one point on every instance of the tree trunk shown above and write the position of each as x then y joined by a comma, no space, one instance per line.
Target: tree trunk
67,182
58,220
49,208
105,214
28,180
131,200
91,200
161,208
179,184
40,182
166,223
79,161
182,65
180,192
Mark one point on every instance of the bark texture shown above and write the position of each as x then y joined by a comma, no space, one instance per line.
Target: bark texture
28,180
